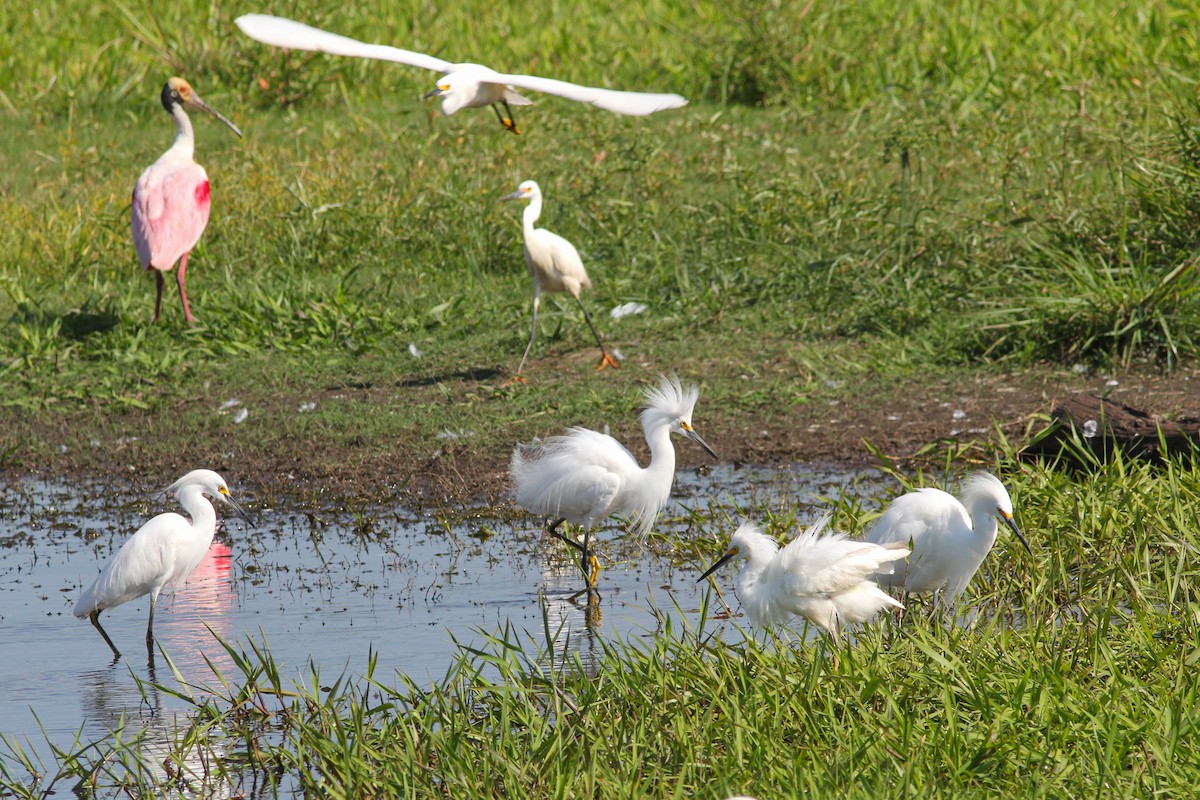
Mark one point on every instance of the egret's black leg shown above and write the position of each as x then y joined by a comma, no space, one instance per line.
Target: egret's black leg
606,360
508,122
95,618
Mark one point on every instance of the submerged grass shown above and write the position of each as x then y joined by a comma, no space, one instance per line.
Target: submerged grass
1071,678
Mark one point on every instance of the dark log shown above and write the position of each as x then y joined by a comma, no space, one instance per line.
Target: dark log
1085,431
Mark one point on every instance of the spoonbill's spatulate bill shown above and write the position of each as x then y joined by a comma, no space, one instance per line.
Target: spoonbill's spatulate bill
949,536
820,575
171,199
163,552
460,85
555,266
584,476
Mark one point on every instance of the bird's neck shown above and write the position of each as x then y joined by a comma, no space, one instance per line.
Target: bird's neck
532,212
200,509
759,553
185,139
662,455
983,520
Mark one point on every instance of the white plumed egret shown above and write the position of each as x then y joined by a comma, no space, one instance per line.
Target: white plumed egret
163,552
460,85
820,575
555,266
949,536
584,477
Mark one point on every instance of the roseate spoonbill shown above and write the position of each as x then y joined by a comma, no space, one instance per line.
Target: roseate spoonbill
820,575
584,476
461,85
555,266
171,199
949,537
163,552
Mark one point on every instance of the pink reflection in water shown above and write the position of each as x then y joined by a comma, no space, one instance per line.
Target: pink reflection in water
205,601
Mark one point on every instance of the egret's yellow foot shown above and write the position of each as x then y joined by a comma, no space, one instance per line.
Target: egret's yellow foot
607,361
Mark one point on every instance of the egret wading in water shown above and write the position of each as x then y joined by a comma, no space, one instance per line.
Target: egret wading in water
171,199
949,537
820,575
555,266
163,552
461,85
584,477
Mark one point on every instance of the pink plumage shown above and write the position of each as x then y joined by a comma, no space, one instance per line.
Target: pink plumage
171,201
170,210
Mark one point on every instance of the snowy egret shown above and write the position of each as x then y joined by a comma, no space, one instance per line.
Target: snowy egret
555,266
163,552
461,85
949,538
821,576
171,199
584,476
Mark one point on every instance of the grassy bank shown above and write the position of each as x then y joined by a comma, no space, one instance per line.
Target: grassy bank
852,191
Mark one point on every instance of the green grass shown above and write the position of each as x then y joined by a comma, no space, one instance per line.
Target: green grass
1009,183
1074,680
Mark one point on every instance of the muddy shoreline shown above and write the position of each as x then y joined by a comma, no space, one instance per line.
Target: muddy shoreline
324,470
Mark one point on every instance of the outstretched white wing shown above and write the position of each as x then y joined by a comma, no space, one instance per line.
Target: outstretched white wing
637,104
293,35
287,33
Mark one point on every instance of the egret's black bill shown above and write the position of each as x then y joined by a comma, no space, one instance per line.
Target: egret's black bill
695,437
241,512
1017,532
719,563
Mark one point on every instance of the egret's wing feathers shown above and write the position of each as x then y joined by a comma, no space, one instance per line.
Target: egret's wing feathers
576,475
908,516
137,567
294,35
817,563
637,104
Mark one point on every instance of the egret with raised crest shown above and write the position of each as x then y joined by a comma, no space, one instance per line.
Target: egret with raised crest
584,476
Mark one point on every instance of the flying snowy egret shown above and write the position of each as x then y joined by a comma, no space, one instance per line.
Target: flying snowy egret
171,199
555,266
584,476
820,575
461,85
949,537
163,552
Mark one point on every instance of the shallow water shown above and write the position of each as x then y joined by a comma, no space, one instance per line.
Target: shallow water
324,588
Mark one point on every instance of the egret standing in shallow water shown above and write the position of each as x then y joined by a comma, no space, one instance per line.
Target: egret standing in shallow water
461,85
821,576
163,552
171,199
584,476
949,537
555,266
